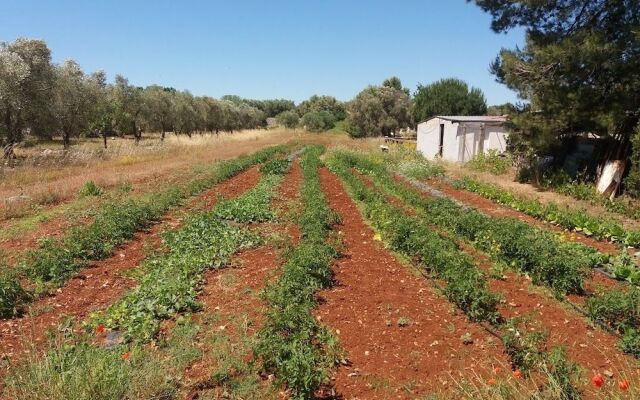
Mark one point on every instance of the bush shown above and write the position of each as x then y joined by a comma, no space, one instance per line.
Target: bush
492,162
12,296
318,121
90,189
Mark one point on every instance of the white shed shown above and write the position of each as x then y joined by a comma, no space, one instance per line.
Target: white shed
459,138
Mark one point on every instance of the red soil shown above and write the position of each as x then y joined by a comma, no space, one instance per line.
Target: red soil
97,286
594,349
231,293
373,292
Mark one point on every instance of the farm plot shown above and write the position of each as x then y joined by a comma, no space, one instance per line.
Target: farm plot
177,287
56,260
558,265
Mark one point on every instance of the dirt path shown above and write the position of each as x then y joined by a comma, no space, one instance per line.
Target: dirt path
402,339
97,286
231,302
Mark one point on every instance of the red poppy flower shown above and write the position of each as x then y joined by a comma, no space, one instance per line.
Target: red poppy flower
125,356
624,385
100,328
597,380
491,382
496,370
517,374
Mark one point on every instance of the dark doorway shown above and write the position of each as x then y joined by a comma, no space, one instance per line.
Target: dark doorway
441,141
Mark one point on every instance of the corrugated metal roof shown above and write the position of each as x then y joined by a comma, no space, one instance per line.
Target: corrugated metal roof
474,118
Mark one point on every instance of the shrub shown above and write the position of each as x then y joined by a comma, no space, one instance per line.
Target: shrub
90,189
318,121
492,162
12,296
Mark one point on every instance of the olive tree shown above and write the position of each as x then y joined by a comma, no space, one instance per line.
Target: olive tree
73,101
26,83
378,110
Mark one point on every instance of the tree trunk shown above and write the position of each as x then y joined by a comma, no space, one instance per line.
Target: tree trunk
162,136
135,132
65,140
11,135
104,138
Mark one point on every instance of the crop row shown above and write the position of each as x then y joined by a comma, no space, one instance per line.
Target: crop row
292,344
549,261
56,260
466,286
170,282
575,220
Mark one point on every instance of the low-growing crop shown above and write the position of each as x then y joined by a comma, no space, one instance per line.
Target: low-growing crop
578,220
548,260
171,281
620,310
466,285
292,344
55,260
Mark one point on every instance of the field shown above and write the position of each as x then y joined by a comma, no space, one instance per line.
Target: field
281,264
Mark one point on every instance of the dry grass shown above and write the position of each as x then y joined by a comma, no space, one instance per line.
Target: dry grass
45,176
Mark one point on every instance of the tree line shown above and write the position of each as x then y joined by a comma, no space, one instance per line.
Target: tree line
43,100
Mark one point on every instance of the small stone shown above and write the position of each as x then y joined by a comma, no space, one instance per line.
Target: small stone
608,373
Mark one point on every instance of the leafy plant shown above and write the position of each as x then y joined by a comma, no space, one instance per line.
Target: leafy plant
55,260
292,344
492,162
90,189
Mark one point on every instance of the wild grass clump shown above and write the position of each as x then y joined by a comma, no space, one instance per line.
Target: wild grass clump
90,188
620,311
491,161
292,344
77,369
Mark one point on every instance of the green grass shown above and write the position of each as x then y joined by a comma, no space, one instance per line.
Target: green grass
76,369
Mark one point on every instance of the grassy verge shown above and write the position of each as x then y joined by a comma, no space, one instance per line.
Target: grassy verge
292,344
116,222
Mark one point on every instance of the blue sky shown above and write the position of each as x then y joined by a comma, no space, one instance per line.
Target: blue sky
269,49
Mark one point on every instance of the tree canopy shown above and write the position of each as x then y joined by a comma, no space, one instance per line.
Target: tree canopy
448,97
579,67
379,110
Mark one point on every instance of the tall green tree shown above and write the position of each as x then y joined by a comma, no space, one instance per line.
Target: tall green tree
448,97
73,101
288,119
579,68
323,103
378,110
26,85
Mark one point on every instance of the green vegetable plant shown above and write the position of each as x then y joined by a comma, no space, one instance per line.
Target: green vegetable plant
292,344
578,220
547,259
55,260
